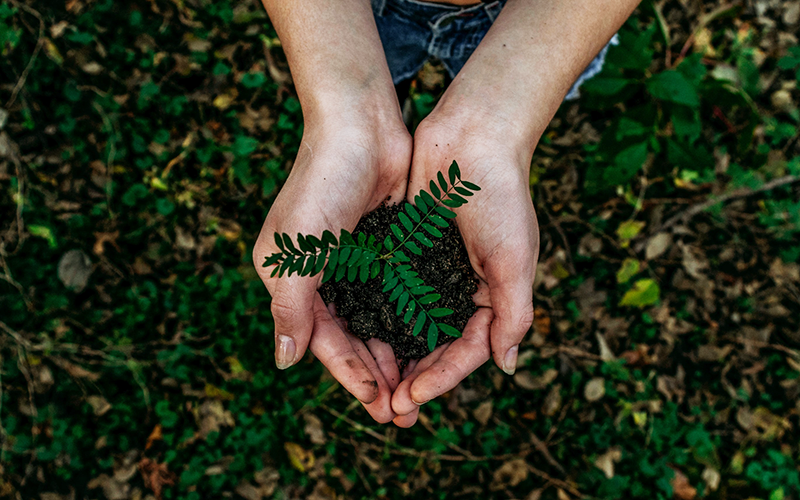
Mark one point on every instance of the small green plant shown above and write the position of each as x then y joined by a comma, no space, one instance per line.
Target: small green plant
361,256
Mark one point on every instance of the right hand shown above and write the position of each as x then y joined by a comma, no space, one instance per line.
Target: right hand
346,167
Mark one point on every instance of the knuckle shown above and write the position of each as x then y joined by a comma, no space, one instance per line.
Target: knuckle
284,310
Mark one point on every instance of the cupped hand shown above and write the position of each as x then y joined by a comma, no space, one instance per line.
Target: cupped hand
342,171
501,235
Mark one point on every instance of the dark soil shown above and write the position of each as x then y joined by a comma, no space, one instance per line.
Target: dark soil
368,311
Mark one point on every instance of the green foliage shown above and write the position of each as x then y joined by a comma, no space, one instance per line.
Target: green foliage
361,257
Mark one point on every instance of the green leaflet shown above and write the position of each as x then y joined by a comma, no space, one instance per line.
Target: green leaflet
359,256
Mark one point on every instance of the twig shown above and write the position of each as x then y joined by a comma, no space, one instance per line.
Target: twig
355,425
556,482
397,449
36,50
542,448
765,345
690,212
704,21
466,454
112,150
578,353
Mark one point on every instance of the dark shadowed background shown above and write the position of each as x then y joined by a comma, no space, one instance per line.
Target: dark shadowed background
141,145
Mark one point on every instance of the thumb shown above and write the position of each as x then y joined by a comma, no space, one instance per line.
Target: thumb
293,312
511,292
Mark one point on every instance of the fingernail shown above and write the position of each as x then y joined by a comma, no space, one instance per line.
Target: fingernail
418,404
510,362
285,351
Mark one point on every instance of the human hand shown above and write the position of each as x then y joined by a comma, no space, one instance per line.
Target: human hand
346,167
501,235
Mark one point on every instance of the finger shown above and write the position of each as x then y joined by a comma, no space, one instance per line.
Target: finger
293,312
331,346
406,421
463,357
482,298
386,361
409,369
401,399
511,289
445,367
381,408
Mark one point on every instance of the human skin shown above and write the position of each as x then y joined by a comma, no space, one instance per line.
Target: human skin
489,120
355,153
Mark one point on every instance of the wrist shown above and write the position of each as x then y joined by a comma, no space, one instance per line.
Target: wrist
485,128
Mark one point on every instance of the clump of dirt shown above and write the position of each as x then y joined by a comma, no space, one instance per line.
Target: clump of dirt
369,313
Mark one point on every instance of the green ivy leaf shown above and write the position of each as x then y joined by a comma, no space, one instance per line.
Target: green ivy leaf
673,86
629,269
645,292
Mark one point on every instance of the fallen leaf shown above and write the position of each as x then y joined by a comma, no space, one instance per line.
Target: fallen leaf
628,269
483,412
313,429
156,476
681,489
101,239
526,380
605,351
74,270
712,478
644,293
606,461
657,245
75,370
552,403
300,458
628,230
155,435
595,389
99,405
510,474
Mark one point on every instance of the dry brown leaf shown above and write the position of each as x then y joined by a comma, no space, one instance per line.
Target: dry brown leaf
75,370
74,270
681,489
510,474
483,412
552,403
99,404
156,476
526,380
101,239
606,461
712,478
595,389
657,245
155,435
313,429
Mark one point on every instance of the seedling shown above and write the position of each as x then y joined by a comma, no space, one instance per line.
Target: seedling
360,256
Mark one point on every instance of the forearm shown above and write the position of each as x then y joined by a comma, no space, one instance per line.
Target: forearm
523,68
335,56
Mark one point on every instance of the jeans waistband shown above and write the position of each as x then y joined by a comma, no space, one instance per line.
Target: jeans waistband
430,10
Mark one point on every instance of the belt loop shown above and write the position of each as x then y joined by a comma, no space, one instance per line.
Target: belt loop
378,6
493,8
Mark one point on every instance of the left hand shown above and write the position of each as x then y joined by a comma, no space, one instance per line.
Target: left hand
501,235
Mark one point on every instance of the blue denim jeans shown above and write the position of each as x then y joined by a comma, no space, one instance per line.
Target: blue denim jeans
413,31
